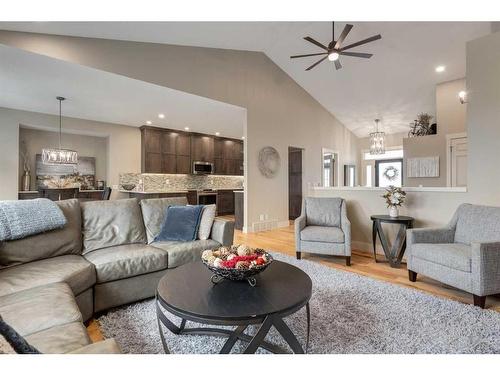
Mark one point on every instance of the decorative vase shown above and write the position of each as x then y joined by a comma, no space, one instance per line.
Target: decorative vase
26,182
393,211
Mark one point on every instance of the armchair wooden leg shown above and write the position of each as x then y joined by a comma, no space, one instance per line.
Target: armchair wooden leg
348,261
299,254
479,301
412,276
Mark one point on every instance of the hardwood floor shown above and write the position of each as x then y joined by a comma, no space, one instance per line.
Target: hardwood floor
282,240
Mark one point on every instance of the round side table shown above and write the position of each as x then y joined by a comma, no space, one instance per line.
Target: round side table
395,253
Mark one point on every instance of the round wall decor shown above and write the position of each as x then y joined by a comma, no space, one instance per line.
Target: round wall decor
269,161
391,173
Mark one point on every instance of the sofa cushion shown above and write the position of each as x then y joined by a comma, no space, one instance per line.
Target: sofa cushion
120,262
477,224
453,255
67,240
12,342
323,212
111,223
60,339
180,253
206,221
71,269
39,308
322,234
153,213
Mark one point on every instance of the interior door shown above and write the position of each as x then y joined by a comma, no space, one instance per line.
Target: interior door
458,150
294,182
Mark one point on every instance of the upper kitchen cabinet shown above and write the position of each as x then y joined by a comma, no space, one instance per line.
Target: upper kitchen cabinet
202,148
174,151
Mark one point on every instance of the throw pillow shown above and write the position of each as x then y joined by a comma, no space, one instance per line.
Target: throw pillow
12,342
206,221
181,224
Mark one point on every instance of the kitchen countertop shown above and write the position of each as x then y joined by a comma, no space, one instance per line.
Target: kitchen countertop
155,192
82,191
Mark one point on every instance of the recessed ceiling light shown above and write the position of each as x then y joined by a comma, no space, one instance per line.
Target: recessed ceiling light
161,115
149,122
217,133
440,69
186,128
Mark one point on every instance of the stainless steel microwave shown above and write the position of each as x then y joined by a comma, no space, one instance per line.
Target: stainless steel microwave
203,167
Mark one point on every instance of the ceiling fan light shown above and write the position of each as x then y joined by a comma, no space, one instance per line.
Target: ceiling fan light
333,56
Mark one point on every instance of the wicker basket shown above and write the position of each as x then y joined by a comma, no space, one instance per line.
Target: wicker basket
236,274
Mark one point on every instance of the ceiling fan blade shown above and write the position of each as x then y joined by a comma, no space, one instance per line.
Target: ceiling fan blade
311,40
311,54
364,41
338,65
357,54
316,63
343,35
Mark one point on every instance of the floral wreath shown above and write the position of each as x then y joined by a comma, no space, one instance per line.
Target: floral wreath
391,173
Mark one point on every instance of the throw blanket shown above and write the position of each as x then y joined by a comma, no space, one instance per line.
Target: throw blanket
23,218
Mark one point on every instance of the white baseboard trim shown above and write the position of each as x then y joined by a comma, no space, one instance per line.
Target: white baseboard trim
263,226
366,247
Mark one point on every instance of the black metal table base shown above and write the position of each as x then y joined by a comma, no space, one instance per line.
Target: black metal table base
253,342
394,254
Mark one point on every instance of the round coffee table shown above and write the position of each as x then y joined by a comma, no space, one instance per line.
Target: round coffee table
188,293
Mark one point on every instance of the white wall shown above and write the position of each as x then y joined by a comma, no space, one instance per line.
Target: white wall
280,112
123,145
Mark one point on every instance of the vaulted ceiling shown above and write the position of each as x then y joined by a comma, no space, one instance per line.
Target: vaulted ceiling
394,85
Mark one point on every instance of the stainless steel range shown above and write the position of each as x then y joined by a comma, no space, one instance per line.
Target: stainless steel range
206,196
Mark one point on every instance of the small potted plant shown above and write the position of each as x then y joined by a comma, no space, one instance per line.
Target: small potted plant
394,197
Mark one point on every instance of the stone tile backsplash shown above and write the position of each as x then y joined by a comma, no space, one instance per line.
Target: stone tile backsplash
173,182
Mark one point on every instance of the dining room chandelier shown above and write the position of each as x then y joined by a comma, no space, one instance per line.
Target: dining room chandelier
59,155
377,141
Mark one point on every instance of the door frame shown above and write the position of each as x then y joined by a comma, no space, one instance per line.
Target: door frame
449,138
336,172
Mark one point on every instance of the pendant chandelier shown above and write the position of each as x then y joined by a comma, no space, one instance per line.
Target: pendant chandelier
377,140
59,155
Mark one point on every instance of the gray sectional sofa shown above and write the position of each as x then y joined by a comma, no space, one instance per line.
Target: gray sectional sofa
104,257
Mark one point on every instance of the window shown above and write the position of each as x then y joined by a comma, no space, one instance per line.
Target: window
389,172
368,176
389,154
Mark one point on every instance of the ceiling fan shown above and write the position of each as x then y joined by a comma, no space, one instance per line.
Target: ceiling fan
335,48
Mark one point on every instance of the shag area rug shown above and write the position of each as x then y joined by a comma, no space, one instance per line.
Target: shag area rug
349,314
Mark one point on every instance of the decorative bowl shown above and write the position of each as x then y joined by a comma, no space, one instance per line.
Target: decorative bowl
128,187
236,263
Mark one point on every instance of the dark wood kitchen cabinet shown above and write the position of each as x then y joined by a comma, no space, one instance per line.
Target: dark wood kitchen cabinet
228,157
173,151
225,202
202,148
165,151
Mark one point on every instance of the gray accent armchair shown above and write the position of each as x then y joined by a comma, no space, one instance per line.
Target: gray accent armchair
465,254
323,228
